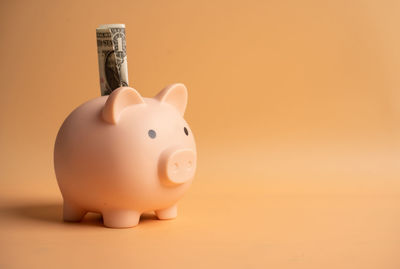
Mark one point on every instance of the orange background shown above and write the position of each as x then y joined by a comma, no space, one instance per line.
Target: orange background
295,106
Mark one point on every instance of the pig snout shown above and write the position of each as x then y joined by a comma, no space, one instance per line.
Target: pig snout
177,166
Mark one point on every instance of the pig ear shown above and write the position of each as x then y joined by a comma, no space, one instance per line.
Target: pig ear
175,95
118,100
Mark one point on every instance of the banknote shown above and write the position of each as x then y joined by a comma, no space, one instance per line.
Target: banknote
111,50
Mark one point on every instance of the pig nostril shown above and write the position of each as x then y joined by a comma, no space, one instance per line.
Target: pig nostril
189,165
176,166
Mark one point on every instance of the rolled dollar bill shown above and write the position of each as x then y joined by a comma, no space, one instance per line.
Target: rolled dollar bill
111,50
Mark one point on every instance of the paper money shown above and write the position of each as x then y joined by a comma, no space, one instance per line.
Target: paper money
111,50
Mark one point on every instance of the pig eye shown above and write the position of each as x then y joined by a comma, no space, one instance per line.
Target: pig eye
152,134
186,131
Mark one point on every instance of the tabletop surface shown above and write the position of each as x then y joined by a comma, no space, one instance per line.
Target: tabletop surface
255,220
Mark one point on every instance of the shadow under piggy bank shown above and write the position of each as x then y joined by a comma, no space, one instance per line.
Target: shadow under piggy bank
52,212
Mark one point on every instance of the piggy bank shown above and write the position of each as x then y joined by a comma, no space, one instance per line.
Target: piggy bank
122,155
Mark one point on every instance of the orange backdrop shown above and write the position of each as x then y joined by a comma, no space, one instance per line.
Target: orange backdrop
295,106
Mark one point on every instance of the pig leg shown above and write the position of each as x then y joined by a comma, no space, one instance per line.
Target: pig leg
120,218
167,213
72,212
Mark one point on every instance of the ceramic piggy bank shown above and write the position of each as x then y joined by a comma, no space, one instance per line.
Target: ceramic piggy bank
122,155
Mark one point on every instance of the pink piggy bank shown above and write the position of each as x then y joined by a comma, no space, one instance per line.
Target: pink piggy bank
123,155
